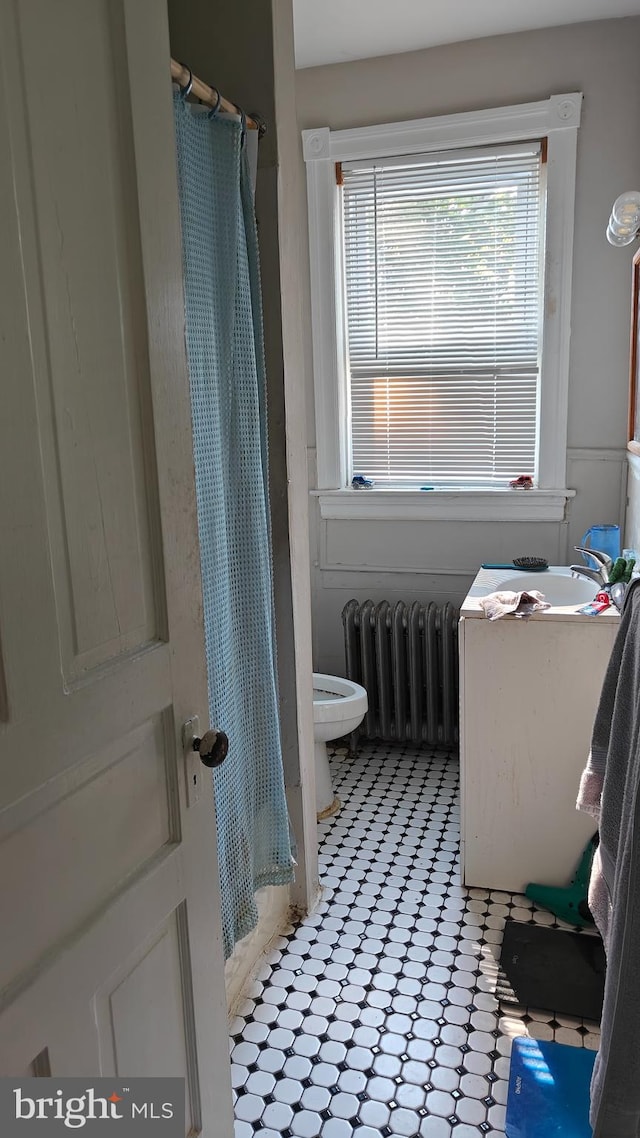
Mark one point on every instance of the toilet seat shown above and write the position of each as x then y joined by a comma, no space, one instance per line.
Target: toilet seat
336,699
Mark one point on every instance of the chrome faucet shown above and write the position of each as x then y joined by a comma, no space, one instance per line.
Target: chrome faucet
598,556
603,561
600,576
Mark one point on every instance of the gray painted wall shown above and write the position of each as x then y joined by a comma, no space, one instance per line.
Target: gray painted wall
437,560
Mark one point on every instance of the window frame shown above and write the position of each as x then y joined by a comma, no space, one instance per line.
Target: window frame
555,119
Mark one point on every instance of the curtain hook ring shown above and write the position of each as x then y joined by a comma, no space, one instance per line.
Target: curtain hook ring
260,123
214,110
186,90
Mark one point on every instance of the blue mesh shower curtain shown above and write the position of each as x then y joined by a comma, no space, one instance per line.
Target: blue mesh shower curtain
226,369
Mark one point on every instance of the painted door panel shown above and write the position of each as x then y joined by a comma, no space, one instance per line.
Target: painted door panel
110,956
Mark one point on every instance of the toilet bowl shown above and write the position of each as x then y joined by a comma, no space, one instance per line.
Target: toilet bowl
339,706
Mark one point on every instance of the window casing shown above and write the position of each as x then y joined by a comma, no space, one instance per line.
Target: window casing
555,121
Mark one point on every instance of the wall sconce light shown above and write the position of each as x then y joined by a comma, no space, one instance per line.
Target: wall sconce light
624,222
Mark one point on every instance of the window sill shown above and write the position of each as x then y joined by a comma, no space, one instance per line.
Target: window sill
445,505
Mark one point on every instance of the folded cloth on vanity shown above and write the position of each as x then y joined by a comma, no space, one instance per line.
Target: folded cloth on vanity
521,604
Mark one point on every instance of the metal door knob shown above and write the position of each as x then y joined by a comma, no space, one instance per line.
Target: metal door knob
212,748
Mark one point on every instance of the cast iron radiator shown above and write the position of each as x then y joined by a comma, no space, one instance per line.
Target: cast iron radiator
406,656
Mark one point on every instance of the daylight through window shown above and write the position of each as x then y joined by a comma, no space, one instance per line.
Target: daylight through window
443,287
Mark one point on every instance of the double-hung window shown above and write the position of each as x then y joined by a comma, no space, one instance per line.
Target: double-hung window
442,259
441,255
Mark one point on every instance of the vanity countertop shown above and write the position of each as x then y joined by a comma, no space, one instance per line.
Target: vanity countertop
492,581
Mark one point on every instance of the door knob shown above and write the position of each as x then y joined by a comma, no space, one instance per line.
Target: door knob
212,748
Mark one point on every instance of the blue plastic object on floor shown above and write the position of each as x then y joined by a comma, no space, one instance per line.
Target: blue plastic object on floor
548,1090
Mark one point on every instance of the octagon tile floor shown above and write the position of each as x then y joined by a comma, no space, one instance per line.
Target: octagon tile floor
376,1016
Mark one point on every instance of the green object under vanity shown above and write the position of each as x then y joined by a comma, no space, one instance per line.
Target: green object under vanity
569,904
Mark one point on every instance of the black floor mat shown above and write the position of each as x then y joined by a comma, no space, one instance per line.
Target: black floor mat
552,969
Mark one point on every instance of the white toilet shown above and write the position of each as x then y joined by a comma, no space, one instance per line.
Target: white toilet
339,706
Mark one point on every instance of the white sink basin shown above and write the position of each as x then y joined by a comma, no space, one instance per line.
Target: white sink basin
560,589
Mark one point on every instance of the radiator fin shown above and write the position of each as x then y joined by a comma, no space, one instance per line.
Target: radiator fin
406,656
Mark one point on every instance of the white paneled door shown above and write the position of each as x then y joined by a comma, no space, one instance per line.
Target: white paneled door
110,941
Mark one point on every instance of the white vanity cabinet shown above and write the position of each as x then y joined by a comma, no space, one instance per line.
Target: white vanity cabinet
528,696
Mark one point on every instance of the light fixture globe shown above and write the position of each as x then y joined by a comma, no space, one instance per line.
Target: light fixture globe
619,238
624,222
626,209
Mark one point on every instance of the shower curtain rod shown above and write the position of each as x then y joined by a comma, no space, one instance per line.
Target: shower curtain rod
207,94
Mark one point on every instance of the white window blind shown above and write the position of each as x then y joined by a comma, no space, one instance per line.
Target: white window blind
442,268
